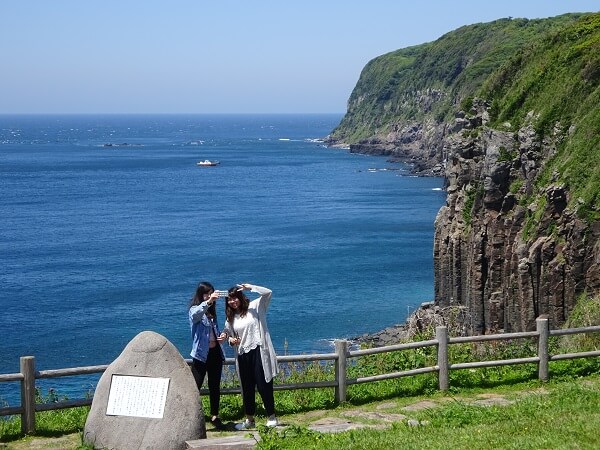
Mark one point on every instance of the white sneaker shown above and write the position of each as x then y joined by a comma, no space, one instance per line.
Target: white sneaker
245,425
273,422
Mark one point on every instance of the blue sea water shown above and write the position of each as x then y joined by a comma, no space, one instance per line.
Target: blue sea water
100,242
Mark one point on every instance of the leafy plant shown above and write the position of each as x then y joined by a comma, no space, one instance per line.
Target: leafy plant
586,313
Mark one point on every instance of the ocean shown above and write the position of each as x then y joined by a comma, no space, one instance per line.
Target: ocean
108,224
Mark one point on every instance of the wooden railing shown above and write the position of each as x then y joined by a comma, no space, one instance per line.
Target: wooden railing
342,354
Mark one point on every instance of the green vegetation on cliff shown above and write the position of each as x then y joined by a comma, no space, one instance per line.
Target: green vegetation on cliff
394,88
543,72
559,80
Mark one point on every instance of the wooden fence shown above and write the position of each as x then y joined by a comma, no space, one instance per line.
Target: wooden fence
342,354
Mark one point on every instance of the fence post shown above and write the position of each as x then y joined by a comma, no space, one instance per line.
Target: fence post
27,364
441,334
542,327
341,349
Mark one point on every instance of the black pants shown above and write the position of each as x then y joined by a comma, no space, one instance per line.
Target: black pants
252,376
214,367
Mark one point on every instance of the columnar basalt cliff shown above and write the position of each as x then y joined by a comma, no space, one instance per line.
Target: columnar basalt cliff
483,257
508,113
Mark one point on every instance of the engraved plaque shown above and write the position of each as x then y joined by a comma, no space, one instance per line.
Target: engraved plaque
137,396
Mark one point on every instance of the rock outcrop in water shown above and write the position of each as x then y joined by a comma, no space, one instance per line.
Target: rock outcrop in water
419,145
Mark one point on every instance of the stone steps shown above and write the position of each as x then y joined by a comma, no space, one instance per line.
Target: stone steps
245,440
238,441
351,419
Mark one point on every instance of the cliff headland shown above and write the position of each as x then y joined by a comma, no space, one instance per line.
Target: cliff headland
508,112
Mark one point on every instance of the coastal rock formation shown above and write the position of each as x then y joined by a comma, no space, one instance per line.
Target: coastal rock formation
507,112
490,256
419,145
422,321
489,253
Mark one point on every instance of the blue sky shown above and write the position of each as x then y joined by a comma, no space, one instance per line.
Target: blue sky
220,56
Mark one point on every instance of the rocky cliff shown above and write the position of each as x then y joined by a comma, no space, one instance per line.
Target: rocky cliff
484,256
508,113
419,144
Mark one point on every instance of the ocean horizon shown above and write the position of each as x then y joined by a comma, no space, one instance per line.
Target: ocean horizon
108,224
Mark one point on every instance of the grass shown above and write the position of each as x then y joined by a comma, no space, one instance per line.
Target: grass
560,414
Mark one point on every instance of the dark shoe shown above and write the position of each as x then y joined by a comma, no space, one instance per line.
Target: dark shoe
217,423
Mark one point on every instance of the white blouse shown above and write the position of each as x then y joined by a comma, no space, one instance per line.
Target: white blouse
247,328
253,331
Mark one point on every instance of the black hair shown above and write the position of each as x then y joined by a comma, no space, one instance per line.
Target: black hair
204,287
236,292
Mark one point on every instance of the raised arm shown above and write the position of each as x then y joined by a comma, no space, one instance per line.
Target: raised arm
198,311
265,295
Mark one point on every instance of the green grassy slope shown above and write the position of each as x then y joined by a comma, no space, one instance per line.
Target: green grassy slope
550,67
456,65
559,80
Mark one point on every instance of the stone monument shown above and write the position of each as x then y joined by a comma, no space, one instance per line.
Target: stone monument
146,399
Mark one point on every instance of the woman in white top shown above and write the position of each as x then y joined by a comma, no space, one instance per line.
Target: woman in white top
256,361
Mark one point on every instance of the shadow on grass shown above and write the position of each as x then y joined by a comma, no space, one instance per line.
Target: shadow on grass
15,435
